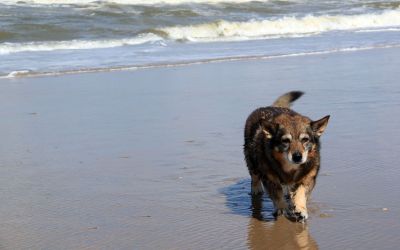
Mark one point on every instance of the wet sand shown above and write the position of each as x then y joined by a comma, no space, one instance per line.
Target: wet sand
152,159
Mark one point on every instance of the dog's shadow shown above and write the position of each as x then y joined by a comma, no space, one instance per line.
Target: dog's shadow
240,201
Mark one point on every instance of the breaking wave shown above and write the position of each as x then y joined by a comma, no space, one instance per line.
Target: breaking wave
9,48
229,31
286,26
127,2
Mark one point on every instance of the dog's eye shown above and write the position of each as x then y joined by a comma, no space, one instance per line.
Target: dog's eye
285,140
305,139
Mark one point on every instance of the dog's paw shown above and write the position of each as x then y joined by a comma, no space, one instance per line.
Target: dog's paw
301,216
278,212
296,215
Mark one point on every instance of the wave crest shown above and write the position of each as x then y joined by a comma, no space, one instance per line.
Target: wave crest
228,31
9,48
126,2
286,26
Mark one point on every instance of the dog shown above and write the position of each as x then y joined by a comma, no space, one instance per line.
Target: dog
282,153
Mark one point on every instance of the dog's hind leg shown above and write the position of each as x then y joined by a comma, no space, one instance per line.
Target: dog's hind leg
256,185
256,207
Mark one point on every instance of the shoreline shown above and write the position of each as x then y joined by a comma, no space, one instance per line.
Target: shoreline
30,74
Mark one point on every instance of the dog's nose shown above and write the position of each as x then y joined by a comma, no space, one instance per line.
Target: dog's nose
296,156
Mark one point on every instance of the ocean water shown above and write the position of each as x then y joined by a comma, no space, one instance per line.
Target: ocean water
39,37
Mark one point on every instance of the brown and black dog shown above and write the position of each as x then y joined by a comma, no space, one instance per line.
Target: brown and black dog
282,154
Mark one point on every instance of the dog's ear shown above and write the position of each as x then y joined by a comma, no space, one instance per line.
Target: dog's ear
267,133
318,127
269,130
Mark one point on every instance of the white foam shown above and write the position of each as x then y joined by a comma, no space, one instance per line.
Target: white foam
9,48
379,30
127,2
18,73
286,26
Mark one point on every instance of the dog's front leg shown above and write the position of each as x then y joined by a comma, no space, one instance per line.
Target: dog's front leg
275,192
297,199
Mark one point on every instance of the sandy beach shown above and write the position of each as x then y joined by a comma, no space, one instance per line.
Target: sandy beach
152,159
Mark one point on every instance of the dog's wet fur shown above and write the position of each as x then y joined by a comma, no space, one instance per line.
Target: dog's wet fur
282,152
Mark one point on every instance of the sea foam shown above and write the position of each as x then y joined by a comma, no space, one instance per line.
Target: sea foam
127,2
9,48
286,26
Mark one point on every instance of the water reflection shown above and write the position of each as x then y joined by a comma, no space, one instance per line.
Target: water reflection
279,234
264,231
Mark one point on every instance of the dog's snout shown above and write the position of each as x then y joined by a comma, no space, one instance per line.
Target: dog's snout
297,157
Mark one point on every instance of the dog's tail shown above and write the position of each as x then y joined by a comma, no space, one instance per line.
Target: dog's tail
285,100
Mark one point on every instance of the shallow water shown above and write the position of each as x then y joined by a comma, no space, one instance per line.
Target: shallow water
152,159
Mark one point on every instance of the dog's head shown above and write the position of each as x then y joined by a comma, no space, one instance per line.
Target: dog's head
294,138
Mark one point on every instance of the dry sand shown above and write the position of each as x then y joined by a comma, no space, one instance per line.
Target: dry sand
152,159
